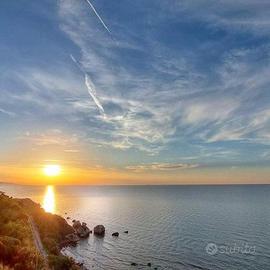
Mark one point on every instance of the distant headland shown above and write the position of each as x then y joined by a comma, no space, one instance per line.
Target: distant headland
31,239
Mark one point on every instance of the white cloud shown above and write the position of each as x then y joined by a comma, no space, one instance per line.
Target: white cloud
153,110
50,137
3,111
161,167
240,15
210,110
169,98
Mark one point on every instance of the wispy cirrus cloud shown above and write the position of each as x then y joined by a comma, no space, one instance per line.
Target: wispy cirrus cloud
185,104
188,80
51,137
90,86
161,167
3,111
241,15
206,110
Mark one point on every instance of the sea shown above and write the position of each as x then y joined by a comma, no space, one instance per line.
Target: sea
170,227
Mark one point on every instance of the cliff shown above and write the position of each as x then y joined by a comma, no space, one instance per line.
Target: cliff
17,246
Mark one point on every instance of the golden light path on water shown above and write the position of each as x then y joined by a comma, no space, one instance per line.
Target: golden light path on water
49,200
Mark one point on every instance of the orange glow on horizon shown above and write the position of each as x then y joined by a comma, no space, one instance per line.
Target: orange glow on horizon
73,175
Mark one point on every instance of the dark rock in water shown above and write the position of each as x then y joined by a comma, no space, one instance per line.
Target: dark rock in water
155,268
73,220
91,231
65,213
115,234
81,229
149,264
68,217
99,230
84,224
134,264
81,266
76,224
125,231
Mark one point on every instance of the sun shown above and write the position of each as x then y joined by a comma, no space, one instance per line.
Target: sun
52,170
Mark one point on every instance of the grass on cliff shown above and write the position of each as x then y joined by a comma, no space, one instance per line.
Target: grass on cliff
17,249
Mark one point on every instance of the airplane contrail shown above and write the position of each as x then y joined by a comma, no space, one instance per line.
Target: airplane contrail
77,63
92,92
100,19
90,86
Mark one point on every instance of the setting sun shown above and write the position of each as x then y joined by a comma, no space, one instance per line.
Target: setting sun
52,170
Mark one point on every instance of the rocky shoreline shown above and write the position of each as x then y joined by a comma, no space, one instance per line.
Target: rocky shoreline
81,231
57,234
53,232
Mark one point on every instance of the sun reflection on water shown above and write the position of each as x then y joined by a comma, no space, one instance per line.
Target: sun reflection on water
49,200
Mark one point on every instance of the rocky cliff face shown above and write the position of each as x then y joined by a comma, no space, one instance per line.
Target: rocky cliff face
49,225
17,249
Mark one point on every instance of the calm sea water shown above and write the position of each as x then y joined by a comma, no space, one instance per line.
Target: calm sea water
173,227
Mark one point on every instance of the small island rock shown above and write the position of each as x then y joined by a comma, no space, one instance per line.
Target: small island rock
115,234
99,230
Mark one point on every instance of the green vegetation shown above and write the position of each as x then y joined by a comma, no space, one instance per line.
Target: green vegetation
52,228
17,248
62,263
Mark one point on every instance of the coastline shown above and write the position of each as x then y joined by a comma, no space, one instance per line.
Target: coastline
45,235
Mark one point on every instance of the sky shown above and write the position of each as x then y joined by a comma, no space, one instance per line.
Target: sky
135,92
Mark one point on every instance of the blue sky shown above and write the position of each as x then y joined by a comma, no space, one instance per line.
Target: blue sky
148,85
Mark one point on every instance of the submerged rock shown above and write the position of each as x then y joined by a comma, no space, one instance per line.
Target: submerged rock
125,231
115,234
99,230
149,264
72,237
134,264
70,240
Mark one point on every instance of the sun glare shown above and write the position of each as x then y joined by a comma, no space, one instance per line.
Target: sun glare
52,170
49,200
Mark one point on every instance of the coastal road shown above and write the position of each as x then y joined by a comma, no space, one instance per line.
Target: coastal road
37,241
